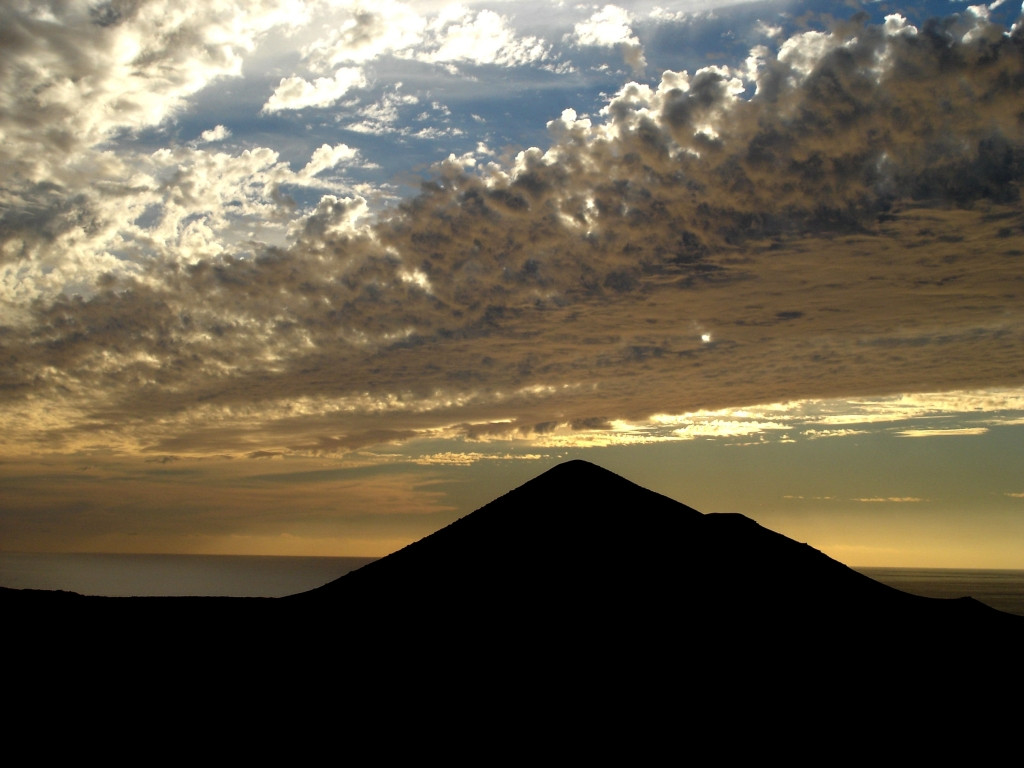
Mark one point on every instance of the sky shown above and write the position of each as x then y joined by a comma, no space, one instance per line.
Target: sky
318,278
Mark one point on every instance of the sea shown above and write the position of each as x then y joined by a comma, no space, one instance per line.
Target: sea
1000,589
254,576
172,575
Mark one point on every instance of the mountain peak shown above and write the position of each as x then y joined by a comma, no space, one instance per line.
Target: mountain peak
579,551
575,517
581,586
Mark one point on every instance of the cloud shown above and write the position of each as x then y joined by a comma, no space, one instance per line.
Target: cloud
942,432
77,74
610,27
919,405
217,133
483,37
298,93
181,204
465,459
383,115
719,428
326,157
814,434
890,500
360,32
809,216
456,34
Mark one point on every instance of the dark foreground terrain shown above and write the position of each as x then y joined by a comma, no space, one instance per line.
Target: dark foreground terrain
704,617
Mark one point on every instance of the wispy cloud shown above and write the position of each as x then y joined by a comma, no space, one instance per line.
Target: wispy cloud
890,500
467,458
966,431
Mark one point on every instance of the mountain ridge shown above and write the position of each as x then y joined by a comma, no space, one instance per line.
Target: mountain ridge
607,605
581,534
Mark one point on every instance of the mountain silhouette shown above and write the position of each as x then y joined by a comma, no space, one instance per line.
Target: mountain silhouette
577,595
578,542
609,597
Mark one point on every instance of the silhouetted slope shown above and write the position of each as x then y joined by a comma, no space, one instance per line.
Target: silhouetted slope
578,605
574,531
579,550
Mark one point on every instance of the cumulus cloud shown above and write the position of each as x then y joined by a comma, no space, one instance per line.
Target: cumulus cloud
326,157
75,74
360,32
456,34
217,133
382,116
698,245
481,37
611,27
298,93
78,77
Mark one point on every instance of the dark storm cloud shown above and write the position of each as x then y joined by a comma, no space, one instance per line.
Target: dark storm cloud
854,226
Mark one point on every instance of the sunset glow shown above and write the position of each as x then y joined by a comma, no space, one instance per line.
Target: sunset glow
321,277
